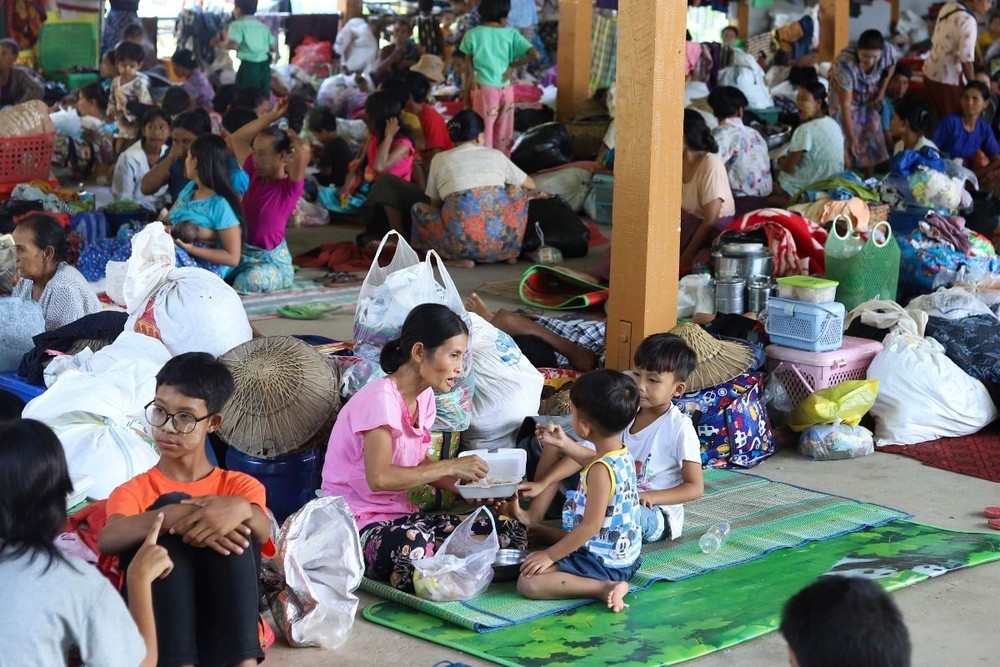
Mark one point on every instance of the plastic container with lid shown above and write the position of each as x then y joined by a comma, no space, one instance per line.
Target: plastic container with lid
506,470
808,289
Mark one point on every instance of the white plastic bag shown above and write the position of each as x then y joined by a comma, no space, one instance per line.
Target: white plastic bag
695,295
20,321
318,556
387,296
888,315
955,303
131,282
923,395
508,388
462,568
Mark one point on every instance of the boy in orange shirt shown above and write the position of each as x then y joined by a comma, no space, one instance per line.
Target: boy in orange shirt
214,523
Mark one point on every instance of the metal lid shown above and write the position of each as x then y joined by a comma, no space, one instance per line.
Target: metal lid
743,249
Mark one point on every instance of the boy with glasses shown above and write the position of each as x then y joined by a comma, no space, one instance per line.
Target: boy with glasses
214,523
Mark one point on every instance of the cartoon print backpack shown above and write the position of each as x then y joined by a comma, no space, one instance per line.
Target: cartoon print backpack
731,421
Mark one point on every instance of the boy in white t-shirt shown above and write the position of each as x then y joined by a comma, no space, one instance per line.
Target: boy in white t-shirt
661,439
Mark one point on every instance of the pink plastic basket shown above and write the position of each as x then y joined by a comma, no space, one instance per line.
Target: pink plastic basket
803,373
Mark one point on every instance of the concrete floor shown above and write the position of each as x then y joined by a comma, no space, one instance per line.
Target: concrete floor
952,620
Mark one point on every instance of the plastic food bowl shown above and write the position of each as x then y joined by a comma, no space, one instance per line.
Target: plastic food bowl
499,489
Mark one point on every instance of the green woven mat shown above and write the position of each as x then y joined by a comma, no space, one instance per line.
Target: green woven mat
671,622
764,516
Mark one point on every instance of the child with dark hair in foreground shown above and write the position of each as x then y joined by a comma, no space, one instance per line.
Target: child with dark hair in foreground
599,556
214,522
840,621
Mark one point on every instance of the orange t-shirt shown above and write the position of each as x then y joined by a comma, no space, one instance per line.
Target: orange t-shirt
136,495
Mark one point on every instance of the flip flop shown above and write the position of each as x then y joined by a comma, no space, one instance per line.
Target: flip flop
992,512
994,524
307,311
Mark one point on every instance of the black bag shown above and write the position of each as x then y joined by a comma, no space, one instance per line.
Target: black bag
525,119
546,146
562,227
985,216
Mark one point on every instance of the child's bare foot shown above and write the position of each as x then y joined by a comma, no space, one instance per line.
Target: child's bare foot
513,509
460,263
476,304
615,593
512,260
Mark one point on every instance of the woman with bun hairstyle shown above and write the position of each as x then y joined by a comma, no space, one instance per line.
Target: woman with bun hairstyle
472,215
816,150
378,449
707,205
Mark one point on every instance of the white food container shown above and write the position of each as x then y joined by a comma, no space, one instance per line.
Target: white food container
506,470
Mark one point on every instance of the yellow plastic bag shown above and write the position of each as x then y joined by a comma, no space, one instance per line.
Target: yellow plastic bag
848,401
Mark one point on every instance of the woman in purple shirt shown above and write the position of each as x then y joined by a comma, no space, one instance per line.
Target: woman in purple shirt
276,161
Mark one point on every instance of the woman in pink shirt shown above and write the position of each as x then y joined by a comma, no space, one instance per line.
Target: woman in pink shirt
378,449
276,162
389,159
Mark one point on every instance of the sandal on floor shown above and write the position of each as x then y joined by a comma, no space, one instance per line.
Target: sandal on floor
306,311
992,512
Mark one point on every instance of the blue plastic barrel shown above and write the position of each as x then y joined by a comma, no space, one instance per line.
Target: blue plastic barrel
291,480
10,381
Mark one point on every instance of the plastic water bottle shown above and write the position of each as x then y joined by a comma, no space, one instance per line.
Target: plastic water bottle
713,538
569,511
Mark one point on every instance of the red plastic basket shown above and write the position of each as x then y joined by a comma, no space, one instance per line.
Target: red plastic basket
24,159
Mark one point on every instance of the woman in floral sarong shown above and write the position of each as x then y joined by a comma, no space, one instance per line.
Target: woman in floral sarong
860,77
477,211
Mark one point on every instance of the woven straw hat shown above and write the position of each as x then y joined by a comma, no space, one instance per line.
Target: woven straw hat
719,361
286,392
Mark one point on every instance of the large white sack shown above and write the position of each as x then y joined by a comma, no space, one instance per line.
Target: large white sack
97,411
746,74
194,310
318,556
923,395
570,183
189,309
508,387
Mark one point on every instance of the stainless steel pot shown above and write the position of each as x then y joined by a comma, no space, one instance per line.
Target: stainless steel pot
729,293
758,294
746,266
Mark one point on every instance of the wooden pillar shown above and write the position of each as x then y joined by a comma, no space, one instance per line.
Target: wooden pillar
834,28
893,14
743,19
573,56
649,118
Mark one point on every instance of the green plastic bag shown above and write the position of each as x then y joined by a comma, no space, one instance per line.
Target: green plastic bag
848,401
868,272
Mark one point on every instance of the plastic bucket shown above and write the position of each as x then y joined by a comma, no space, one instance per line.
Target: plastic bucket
290,480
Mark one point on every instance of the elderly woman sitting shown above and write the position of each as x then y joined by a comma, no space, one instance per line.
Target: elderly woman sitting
45,277
472,216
